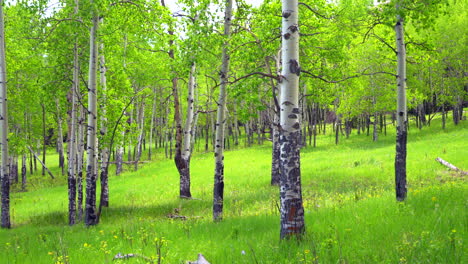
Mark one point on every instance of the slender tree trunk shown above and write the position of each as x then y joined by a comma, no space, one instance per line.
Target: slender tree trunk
337,129
91,177
292,210
80,161
402,119
44,137
23,173
375,134
367,124
104,201
207,134
152,130
141,137
130,141
218,191
183,164
72,142
31,166
385,124
60,138
275,162
236,125
39,153
4,177
119,160
14,169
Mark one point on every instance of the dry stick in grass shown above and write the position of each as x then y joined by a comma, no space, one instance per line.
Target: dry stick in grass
451,166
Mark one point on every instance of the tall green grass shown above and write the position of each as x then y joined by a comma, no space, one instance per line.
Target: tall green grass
351,212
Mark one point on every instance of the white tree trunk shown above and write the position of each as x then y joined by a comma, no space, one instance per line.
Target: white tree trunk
292,211
4,178
103,131
60,137
72,142
141,136
90,204
153,113
401,138
80,160
218,191
184,162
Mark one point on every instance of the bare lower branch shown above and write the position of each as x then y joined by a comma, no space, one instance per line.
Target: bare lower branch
315,11
309,74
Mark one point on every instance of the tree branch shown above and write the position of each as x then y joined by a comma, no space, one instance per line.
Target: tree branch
346,78
385,43
314,11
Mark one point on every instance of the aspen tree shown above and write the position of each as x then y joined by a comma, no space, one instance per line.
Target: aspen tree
218,190
4,177
91,164
292,210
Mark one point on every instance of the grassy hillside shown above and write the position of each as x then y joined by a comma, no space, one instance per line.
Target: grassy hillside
351,212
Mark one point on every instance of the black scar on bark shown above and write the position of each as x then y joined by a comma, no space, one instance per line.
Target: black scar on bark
295,110
218,188
294,67
293,28
296,172
287,36
292,116
296,125
401,113
286,13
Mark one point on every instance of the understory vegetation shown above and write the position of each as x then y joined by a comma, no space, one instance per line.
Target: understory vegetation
348,190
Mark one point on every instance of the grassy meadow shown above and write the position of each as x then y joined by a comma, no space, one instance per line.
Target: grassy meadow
348,191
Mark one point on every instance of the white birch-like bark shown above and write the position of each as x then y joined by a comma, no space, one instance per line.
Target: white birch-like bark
72,143
218,190
80,160
236,125
401,138
103,130
188,133
184,162
141,136
153,114
4,178
90,203
60,149
292,211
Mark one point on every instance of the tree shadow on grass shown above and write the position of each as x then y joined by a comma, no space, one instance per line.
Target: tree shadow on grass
126,212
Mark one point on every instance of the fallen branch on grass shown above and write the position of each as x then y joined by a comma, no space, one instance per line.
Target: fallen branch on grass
451,166
201,260
131,255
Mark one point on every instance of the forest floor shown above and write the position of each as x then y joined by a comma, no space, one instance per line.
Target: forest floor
350,209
